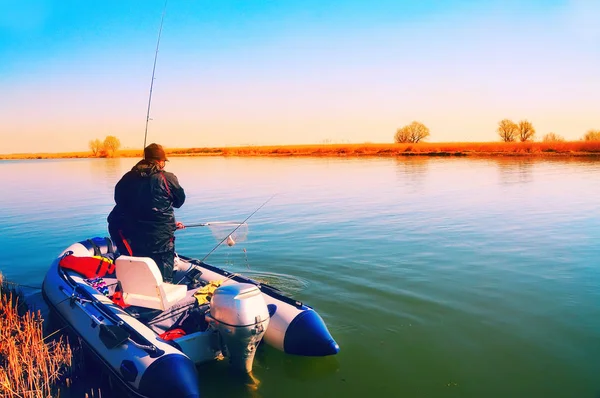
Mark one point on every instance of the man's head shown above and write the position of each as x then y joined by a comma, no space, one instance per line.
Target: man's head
156,153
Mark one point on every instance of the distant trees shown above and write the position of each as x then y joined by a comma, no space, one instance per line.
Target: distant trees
95,146
507,130
111,145
592,135
553,137
510,131
106,148
526,131
414,132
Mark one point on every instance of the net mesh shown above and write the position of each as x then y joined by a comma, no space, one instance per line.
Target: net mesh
232,232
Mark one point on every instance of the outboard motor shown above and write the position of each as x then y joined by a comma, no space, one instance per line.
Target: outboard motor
240,315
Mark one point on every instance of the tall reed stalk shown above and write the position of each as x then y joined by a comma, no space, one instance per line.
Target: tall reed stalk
30,366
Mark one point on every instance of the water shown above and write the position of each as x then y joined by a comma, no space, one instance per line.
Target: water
437,277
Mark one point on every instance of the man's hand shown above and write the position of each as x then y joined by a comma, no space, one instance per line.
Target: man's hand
179,225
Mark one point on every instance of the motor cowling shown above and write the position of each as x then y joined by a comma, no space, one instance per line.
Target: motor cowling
240,315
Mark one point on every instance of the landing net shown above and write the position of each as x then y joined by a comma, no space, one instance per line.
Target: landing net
229,231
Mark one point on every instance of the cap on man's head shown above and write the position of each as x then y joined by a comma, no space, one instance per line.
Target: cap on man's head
155,152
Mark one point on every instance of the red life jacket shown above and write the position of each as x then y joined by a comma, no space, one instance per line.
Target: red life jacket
172,334
90,267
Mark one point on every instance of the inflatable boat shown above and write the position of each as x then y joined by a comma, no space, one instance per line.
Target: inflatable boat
150,335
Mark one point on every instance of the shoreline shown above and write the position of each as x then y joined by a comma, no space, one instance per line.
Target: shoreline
473,149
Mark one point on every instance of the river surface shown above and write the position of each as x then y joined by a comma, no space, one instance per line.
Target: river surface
438,277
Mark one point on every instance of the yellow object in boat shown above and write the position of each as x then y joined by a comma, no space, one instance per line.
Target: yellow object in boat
204,294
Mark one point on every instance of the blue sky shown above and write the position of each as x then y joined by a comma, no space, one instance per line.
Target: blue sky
293,72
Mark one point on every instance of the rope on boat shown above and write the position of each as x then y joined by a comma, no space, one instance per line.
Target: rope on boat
143,347
165,316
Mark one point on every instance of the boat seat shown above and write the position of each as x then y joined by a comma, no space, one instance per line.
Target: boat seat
143,284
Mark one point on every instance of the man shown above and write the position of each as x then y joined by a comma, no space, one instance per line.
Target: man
142,223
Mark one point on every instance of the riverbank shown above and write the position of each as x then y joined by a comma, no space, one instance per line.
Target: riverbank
30,364
572,148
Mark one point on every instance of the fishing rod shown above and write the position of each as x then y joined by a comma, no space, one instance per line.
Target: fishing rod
153,70
228,237
213,223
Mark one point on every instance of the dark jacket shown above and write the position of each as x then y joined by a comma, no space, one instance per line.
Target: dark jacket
145,198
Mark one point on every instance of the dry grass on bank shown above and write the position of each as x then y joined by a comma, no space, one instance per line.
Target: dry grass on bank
29,366
424,149
571,148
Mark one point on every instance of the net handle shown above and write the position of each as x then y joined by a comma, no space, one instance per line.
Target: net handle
209,223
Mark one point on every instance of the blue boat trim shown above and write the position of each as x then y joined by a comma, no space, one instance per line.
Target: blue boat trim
307,335
128,370
170,376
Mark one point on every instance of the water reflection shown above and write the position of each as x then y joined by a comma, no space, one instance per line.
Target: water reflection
238,384
108,170
412,170
515,171
296,367
504,260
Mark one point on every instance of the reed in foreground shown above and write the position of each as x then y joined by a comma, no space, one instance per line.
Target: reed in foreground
30,366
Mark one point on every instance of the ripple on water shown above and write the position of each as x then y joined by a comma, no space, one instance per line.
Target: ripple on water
289,284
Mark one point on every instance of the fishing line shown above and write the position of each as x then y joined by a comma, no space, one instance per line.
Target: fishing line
227,237
153,70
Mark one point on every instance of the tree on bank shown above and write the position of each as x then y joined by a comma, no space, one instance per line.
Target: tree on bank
526,131
414,132
507,130
553,137
111,145
592,135
106,148
95,146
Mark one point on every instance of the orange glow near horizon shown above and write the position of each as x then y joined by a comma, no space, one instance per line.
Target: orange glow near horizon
343,80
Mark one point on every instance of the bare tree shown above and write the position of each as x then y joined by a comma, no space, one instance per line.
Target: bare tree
95,146
111,145
526,131
402,135
553,137
413,132
592,135
507,130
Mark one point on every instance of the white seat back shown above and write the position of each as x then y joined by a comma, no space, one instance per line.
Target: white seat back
143,286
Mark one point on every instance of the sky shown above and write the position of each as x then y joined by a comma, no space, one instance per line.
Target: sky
278,72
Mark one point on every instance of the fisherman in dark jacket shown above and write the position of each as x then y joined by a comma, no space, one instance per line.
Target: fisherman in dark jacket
142,223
